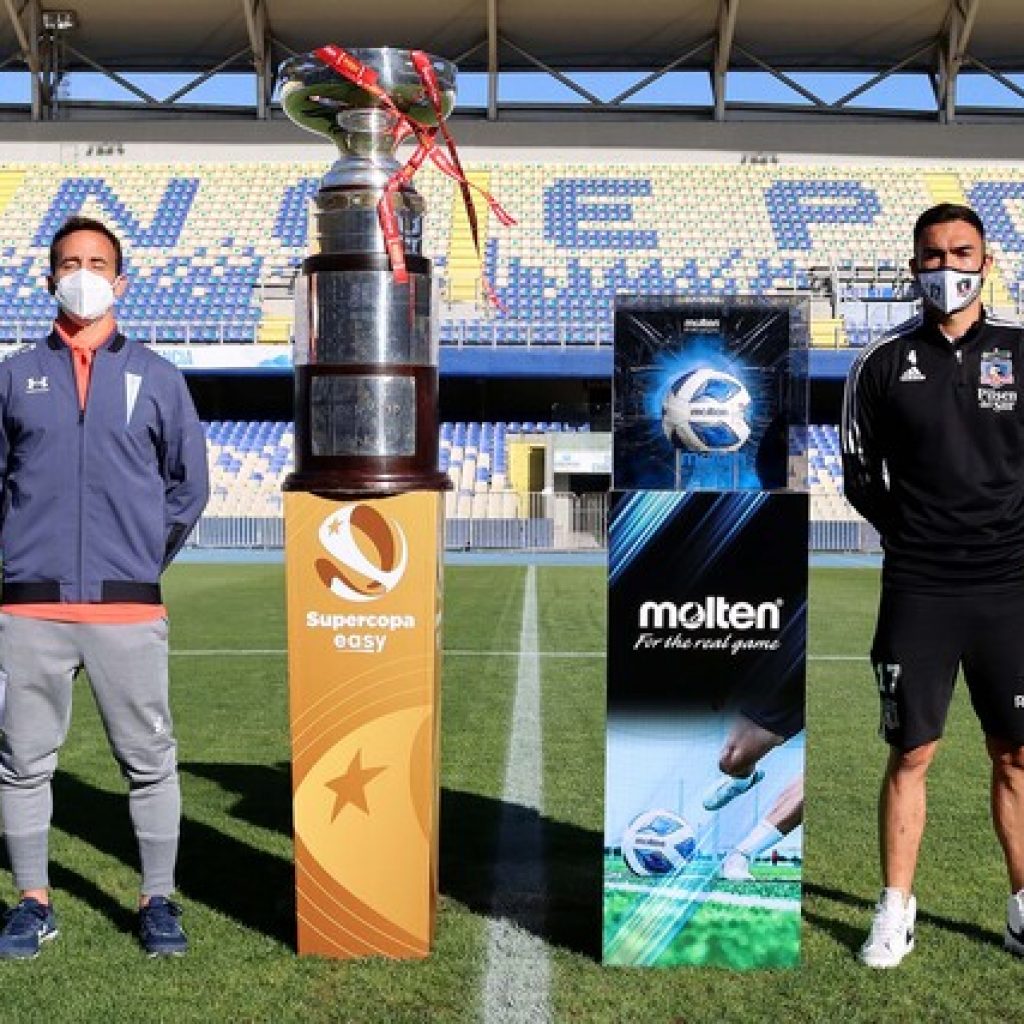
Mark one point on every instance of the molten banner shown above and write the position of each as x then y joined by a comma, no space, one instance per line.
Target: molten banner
363,655
707,627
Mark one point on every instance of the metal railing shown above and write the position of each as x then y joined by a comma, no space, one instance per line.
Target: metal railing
529,522
539,522
167,332
238,532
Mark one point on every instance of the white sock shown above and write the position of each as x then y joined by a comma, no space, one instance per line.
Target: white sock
890,893
762,837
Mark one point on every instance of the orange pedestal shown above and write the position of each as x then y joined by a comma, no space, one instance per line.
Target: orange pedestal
364,606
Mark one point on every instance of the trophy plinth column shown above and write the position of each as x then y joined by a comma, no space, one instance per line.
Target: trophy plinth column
364,521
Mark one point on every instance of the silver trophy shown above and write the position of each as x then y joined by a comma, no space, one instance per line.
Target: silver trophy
366,401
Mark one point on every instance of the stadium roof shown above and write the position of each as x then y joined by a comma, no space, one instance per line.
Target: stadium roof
778,37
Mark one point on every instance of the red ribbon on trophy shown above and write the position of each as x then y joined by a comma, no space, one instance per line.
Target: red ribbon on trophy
426,138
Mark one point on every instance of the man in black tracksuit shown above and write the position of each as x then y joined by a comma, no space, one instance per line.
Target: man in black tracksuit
933,457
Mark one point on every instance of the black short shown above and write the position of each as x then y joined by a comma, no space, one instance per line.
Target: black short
780,709
920,642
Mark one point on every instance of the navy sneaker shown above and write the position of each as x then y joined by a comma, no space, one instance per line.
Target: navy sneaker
160,931
26,927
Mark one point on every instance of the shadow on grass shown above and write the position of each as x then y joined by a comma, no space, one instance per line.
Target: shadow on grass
497,859
251,886
505,860
65,879
264,792
852,936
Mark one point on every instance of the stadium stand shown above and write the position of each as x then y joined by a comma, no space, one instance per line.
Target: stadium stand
250,459
825,475
213,248
248,463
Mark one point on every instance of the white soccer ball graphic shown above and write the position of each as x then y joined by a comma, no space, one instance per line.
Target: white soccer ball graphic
657,843
705,411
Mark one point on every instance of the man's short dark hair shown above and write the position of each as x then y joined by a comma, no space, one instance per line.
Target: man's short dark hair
73,224
945,213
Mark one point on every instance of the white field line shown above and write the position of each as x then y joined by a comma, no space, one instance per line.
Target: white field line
517,984
256,652
732,899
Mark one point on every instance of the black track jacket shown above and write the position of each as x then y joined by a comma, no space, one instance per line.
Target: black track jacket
933,454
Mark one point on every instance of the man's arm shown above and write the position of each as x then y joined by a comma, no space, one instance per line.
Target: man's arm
864,479
5,445
185,472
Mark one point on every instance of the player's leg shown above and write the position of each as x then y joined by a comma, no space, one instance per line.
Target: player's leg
902,814
993,670
766,719
745,745
1008,804
1008,817
915,655
785,814
127,666
39,662
901,818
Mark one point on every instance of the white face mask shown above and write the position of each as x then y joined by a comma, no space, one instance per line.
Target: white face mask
84,294
949,290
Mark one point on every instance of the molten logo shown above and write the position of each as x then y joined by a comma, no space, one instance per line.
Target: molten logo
371,549
714,612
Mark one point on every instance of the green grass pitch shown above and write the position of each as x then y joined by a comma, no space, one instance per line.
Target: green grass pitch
235,870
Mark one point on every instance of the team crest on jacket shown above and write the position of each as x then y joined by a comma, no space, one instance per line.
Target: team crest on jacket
996,369
995,380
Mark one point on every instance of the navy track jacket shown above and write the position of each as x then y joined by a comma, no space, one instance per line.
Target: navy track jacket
933,453
95,503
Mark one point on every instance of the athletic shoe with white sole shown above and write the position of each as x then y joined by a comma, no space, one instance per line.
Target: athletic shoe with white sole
736,868
26,927
1013,939
892,930
731,788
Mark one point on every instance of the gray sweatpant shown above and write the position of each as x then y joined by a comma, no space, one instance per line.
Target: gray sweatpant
127,666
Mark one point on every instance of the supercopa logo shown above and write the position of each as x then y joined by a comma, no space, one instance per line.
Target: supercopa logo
369,553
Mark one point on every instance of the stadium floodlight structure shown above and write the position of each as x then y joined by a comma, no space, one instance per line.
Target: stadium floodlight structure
787,44
59,21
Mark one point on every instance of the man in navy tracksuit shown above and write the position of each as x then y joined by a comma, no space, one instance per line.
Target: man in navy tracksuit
102,475
933,457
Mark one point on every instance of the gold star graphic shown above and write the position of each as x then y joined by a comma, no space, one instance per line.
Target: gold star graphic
350,788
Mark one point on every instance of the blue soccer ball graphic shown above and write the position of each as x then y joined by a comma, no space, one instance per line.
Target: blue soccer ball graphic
705,411
657,843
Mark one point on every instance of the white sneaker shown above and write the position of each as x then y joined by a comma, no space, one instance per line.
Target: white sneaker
1013,939
731,788
892,930
736,868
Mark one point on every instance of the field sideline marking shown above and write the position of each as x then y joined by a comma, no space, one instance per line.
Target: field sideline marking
732,899
244,652
518,980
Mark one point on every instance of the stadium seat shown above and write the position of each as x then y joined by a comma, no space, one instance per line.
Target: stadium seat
207,243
